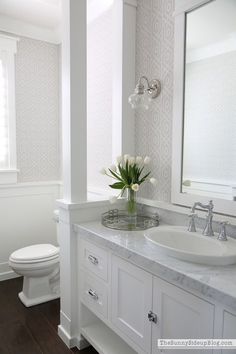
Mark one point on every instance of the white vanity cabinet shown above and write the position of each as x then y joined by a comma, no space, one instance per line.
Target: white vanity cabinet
180,315
139,308
176,313
229,328
131,293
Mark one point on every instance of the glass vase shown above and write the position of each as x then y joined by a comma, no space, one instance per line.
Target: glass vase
131,203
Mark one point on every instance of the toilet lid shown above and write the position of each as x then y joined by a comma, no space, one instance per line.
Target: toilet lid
35,253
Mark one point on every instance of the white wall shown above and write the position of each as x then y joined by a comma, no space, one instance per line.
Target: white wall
210,125
26,209
99,94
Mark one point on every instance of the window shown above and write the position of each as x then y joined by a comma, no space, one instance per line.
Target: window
8,171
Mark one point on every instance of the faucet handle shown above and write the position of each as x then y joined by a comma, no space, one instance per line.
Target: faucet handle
222,234
192,227
193,215
211,205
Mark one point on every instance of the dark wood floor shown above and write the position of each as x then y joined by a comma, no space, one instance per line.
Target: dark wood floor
29,330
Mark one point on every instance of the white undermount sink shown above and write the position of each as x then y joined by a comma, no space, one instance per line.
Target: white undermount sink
177,242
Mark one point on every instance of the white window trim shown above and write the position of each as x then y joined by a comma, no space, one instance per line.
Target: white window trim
9,44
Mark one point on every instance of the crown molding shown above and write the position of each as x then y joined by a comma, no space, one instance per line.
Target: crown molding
212,50
24,29
133,3
8,43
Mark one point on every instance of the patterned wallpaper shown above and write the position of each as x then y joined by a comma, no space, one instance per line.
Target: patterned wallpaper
37,110
155,59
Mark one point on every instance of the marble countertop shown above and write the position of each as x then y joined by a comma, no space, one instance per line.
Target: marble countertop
217,283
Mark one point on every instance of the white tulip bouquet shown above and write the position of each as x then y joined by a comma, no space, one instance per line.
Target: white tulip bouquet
129,172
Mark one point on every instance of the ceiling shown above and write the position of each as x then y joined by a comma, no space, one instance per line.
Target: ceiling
41,19
43,13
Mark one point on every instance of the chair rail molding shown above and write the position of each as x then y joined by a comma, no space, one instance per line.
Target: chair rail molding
30,188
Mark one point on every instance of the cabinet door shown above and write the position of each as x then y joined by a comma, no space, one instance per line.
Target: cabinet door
229,329
131,302
181,315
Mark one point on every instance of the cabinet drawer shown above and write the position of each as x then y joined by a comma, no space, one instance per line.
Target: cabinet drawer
94,259
94,294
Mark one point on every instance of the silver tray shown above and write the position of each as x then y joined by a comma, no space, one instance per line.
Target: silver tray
120,220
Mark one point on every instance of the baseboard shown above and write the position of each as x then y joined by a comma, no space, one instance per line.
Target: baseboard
81,343
72,342
64,336
8,274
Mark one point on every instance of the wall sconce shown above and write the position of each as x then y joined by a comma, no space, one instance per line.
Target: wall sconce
142,97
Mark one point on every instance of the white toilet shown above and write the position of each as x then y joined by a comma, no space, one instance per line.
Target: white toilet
39,265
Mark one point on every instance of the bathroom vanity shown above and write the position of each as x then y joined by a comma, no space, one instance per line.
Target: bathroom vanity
130,294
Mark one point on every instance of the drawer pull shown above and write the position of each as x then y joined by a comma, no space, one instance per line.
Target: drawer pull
93,259
93,294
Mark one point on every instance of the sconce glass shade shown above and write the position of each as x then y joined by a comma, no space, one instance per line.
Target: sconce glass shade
143,96
141,101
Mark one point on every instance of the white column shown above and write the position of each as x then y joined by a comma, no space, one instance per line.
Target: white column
124,28
74,120
74,208
74,150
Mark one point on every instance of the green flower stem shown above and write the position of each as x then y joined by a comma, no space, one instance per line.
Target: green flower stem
131,202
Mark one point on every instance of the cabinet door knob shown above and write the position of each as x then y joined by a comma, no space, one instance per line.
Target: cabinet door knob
93,259
93,294
152,317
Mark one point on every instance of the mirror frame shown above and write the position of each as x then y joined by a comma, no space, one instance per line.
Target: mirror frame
222,206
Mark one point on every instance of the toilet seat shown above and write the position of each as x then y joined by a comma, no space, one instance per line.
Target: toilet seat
35,254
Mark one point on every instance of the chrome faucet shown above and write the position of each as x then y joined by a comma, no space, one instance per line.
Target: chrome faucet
207,231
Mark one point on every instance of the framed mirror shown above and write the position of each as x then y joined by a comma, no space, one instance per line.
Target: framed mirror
204,131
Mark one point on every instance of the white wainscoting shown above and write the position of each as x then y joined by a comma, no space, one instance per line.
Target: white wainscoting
26,218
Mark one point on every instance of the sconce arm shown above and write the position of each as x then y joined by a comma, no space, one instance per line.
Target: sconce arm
143,78
153,87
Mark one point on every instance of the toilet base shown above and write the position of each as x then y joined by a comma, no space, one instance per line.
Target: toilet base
37,300
37,290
